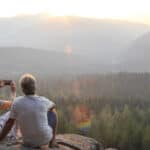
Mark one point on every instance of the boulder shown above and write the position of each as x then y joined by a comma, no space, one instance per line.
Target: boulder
65,142
110,149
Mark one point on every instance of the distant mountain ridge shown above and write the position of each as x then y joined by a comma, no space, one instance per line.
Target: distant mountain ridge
99,39
18,60
137,56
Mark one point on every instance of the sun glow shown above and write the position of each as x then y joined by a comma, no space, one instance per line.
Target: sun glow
58,8
118,9
133,10
68,50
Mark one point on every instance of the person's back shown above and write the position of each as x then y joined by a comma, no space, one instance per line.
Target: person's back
31,113
36,116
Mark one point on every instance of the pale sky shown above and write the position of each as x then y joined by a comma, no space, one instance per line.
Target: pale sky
132,10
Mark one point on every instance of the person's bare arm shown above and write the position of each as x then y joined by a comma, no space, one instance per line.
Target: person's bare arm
13,90
6,104
6,128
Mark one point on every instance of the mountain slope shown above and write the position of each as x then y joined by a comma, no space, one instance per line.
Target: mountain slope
17,60
137,57
99,39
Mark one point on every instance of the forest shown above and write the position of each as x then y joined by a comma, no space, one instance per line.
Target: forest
112,108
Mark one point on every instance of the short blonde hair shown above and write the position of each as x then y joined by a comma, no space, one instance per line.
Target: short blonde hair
28,84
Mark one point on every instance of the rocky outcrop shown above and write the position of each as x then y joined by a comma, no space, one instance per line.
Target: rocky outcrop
110,149
65,142
78,142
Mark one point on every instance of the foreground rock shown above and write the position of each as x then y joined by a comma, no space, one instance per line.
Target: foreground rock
65,142
110,149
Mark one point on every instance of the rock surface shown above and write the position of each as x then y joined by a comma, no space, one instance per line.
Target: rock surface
110,149
65,142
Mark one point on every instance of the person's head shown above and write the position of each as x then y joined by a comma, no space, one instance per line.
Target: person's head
28,84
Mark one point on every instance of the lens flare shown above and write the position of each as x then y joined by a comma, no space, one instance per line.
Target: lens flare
68,50
82,118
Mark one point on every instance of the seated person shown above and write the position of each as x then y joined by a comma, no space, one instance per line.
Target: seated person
5,105
31,112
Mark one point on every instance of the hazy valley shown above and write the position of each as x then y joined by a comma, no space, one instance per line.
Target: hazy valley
71,45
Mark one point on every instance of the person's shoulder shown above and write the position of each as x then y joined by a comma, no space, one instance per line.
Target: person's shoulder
17,99
47,101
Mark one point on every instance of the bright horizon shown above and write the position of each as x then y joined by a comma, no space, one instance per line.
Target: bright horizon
131,10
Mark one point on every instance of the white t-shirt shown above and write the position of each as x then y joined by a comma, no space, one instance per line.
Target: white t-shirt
31,115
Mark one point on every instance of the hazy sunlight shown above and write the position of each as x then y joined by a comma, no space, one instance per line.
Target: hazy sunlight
133,10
